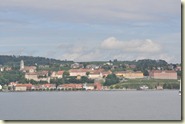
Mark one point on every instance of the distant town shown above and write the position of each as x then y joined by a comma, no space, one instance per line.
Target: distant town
21,73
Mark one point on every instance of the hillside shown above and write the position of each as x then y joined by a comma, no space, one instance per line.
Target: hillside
29,60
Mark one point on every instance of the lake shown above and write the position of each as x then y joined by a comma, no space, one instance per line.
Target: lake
91,105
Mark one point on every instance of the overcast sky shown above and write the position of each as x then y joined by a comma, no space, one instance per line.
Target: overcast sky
92,30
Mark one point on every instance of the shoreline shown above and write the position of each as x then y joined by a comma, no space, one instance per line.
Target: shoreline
91,90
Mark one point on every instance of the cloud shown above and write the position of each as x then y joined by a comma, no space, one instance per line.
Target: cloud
81,53
111,48
97,11
132,46
62,28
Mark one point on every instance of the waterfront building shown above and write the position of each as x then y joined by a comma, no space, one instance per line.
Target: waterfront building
48,85
88,86
97,86
70,86
23,87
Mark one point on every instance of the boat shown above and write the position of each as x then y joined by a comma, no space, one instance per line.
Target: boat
180,88
144,87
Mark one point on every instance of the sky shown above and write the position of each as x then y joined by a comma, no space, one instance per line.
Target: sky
92,30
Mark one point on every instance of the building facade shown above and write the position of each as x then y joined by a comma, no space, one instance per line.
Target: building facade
163,74
130,74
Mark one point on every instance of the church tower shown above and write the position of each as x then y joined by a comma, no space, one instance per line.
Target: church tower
22,65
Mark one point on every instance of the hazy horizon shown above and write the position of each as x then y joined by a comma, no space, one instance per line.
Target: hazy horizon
88,61
86,30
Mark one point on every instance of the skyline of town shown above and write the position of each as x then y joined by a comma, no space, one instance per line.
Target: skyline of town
86,31
76,76
94,60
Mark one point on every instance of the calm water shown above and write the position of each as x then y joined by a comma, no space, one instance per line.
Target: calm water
81,105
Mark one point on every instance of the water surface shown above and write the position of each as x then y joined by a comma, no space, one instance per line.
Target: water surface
91,105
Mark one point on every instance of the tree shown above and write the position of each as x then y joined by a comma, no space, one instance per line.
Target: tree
106,67
179,73
145,73
57,81
66,73
111,79
87,73
115,60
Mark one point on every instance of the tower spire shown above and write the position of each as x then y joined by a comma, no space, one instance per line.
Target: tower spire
22,65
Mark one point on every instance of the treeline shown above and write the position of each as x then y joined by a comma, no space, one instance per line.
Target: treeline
142,65
11,76
150,64
71,80
29,60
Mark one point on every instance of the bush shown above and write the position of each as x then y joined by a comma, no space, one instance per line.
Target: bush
117,87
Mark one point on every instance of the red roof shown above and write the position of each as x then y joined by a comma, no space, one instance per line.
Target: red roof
29,67
60,72
165,71
47,85
106,72
79,70
24,85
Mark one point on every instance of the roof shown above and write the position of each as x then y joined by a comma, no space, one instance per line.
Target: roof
127,72
165,71
79,70
38,73
29,67
106,72
24,85
32,73
60,72
42,72
71,85
95,73
49,85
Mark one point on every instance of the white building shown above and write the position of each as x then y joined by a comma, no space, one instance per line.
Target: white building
2,68
58,74
88,86
77,72
95,75
22,65
1,87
